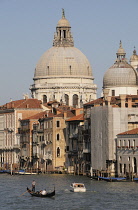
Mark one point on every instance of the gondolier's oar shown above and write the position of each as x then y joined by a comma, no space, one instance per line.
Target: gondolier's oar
23,193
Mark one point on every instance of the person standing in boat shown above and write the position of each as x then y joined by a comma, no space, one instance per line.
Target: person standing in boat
33,185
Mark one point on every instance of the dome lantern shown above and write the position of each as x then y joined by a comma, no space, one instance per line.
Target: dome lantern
63,36
120,53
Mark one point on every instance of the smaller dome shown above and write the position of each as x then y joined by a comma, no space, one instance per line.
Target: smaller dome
63,22
134,57
121,50
121,74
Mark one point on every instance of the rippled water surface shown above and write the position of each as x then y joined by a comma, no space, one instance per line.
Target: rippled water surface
99,194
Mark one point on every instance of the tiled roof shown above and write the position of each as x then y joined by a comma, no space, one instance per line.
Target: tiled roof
76,118
65,108
115,100
97,101
134,131
68,114
23,103
40,115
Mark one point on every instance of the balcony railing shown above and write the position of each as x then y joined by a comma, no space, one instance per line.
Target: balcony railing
127,147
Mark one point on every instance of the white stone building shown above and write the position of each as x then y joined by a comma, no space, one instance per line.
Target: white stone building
106,122
63,73
127,153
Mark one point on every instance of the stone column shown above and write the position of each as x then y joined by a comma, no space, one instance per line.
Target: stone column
105,93
123,98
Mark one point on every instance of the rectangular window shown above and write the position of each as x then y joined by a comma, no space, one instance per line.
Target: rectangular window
120,143
58,124
124,168
120,168
128,143
133,142
113,92
67,148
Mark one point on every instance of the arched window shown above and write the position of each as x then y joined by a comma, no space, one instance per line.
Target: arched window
58,136
44,99
67,99
75,100
64,34
58,152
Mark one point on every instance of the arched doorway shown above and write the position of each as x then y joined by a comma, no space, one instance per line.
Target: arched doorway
75,100
44,99
66,99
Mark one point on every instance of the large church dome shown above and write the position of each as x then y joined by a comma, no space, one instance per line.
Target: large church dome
63,72
121,74
63,61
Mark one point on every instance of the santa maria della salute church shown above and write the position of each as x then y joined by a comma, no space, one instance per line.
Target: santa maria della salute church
64,126
63,73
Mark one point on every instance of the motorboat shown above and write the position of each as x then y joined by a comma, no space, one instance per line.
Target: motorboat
23,172
78,187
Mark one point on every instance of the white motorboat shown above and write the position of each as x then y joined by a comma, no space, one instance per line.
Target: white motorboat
23,172
78,187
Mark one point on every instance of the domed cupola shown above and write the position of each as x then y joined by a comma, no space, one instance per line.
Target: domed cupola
121,77
134,59
63,72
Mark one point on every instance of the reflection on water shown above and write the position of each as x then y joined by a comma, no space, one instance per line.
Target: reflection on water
99,194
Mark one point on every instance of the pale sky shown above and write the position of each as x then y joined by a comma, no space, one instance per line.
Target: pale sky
27,29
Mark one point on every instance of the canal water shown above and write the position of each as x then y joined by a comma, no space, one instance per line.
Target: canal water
99,195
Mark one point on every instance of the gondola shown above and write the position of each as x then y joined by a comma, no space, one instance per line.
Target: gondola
38,194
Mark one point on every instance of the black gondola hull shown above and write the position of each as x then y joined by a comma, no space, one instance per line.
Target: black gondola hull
38,194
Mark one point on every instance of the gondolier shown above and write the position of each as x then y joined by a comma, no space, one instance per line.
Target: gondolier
33,185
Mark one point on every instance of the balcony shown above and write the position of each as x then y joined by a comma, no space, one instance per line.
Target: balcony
40,130
127,147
